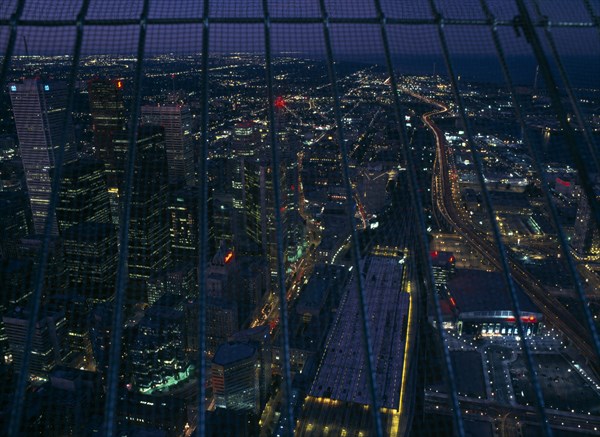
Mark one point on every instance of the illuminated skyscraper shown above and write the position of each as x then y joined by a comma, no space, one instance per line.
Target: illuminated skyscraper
109,125
260,339
49,342
149,226
55,273
260,209
158,352
235,377
91,259
183,224
221,322
15,289
179,280
39,112
83,196
176,120
14,223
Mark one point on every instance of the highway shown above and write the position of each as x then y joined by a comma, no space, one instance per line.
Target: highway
481,408
446,198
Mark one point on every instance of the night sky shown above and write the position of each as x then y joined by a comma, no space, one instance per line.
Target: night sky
415,48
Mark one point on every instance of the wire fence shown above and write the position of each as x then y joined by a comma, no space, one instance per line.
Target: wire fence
319,217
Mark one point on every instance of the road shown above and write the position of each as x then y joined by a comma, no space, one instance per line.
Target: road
481,408
478,408
268,310
446,199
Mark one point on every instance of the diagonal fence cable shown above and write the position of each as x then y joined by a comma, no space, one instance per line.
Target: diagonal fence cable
35,300
350,211
288,417
583,125
13,24
594,18
525,21
425,274
203,246
542,174
497,237
420,226
112,391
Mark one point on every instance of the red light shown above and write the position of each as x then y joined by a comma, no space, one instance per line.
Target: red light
451,259
510,319
279,102
119,84
228,257
563,183
452,301
434,254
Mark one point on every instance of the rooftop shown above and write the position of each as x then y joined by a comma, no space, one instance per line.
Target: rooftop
478,290
229,353
342,374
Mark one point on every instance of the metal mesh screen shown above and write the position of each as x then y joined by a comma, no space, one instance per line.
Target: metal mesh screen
316,217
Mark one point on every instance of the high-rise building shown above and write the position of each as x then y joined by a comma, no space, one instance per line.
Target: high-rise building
48,347
152,415
237,184
68,401
158,352
246,138
12,176
100,325
179,280
183,223
14,223
91,254
252,285
176,120
39,112
55,278
149,225
222,274
220,202
235,377
221,322
76,309
15,289
260,339
222,217
109,124
83,195
260,210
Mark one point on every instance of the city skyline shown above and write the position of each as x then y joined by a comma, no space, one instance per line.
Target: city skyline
237,246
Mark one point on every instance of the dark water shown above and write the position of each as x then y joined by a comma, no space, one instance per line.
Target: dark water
583,71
